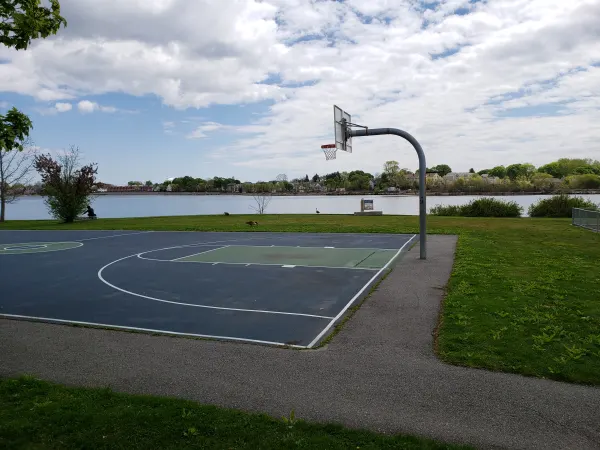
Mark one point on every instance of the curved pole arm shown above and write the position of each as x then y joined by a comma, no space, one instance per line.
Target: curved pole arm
422,170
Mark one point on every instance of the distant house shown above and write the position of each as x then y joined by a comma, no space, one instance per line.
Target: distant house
453,176
489,179
127,189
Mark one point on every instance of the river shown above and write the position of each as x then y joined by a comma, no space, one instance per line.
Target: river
175,205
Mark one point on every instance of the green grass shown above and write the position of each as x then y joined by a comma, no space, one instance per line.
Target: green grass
523,295
39,415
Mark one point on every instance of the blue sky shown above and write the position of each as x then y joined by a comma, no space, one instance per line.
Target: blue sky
151,90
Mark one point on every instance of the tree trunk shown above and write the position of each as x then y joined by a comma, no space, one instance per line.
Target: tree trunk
2,207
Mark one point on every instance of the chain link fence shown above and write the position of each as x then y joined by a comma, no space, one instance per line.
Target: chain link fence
587,218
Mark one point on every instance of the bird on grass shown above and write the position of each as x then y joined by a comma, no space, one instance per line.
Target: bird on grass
252,223
318,212
226,213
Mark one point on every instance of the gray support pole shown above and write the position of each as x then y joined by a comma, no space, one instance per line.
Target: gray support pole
422,170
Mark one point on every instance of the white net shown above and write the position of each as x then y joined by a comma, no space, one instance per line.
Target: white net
330,152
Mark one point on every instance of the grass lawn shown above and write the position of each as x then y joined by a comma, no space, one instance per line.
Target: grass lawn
40,415
523,296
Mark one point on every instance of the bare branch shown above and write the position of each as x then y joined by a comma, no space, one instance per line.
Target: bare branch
16,169
262,201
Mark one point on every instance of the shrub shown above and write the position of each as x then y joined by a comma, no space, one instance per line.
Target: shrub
450,210
483,207
559,206
67,187
588,181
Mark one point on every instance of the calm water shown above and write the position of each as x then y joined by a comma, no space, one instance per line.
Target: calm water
176,205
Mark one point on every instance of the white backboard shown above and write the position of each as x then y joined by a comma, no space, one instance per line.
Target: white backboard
342,140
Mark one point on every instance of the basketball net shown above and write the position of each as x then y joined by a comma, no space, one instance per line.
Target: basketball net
329,150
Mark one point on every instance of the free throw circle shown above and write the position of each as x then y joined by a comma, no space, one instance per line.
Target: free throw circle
36,247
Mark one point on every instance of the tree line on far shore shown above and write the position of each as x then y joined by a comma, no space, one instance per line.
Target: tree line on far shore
565,173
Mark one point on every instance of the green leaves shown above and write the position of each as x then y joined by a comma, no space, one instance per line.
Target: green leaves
14,129
21,21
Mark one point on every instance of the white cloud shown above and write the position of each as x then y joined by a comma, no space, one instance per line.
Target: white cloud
86,107
206,127
373,58
63,107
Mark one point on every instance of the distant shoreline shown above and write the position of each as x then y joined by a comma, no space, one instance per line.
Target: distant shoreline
366,193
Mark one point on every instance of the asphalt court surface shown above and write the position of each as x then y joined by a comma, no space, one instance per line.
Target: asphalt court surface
274,288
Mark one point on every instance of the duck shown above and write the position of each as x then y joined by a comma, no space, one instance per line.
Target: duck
252,223
318,212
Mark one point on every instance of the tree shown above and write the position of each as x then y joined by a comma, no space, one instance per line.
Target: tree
66,185
281,177
316,178
498,171
21,21
134,183
306,179
262,200
15,170
14,129
542,181
441,169
515,171
391,167
471,170
149,183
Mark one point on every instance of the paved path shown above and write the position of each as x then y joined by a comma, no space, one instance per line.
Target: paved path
378,373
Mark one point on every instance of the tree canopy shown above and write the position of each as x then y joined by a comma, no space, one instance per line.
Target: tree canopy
22,21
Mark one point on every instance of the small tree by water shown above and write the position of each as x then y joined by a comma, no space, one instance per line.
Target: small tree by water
67,186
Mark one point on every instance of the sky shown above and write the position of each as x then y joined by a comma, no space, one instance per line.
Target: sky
153,89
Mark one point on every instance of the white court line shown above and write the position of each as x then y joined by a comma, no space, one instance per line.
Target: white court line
203,244
48,250
358,294
196,254
252,264
262,311
315,247
111,236
121,327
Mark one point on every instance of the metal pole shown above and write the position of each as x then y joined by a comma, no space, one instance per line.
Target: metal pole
422,170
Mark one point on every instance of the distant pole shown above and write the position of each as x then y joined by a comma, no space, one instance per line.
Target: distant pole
422,170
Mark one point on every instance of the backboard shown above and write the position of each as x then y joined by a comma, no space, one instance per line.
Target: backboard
342,140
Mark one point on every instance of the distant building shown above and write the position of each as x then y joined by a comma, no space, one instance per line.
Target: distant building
453,176
489,179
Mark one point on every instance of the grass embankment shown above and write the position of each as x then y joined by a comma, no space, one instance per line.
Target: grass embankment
523,295
36,414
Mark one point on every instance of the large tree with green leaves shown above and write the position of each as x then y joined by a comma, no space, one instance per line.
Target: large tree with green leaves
441,169
22,21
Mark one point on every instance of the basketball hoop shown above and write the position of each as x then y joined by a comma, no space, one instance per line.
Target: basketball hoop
329,150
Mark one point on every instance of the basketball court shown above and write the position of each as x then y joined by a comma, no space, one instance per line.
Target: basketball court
270,288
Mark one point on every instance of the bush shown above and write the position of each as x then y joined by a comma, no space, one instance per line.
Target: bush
589,181
559,206
67,187
483,207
